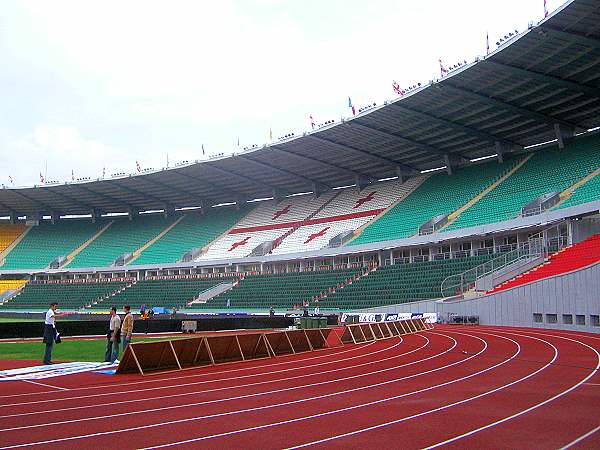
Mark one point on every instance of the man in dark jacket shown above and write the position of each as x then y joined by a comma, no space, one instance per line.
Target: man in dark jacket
50,331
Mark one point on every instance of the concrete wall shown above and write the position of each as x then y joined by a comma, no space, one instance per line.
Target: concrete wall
575,293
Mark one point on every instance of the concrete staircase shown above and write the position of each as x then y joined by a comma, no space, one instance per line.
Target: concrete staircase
205,296
13,244
82,247
568,193
139,251
456,214
362,228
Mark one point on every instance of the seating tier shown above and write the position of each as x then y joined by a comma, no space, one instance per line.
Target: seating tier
399,283
69,296
439,194
123,236
46,241
193,231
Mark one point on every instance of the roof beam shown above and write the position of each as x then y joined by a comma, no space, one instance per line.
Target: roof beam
36,202
189,195
142,194
229,173
570,35
397,137
283,171
457,126
566,84
71,199
335,167
373,157
108,197
210,184
534,115
8,208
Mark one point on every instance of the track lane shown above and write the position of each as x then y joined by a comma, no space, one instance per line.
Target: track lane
337,394
499,405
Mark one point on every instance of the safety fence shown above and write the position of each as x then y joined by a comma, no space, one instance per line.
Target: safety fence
365,332
213,349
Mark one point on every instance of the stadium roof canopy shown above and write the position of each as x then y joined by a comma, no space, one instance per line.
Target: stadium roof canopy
541,85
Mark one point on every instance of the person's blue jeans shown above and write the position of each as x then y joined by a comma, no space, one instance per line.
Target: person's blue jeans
48,353
115,352
125,340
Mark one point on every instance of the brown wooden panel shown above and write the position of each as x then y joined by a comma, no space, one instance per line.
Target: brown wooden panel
279,343
316,338
253,346
347,336
365,329
224,348
298,340
186,350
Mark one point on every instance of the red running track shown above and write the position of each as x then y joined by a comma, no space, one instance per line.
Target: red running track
486,387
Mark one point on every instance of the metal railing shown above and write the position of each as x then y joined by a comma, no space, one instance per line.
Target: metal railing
460,283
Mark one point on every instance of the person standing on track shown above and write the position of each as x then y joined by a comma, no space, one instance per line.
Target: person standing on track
127,327
50,331
113,337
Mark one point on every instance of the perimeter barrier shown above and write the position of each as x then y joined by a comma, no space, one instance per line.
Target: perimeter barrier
213,349
357,333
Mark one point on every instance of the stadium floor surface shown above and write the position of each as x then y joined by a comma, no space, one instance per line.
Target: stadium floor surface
453,386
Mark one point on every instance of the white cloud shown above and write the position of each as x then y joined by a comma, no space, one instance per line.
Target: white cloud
95,83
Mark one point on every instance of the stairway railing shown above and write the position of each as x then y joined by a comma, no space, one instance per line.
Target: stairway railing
538,245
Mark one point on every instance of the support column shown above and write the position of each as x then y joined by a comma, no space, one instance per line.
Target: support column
448,162
563,134
401,175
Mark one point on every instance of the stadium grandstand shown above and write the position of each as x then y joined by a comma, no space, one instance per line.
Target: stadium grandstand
449,198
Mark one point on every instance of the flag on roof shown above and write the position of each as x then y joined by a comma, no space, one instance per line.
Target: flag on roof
487,43
545,9
11,180
443,70
271,134
103,171
312,122
72,175
138,167
351,106
42,179
397,89
203,149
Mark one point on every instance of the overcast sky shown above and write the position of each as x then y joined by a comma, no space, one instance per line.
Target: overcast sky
86,85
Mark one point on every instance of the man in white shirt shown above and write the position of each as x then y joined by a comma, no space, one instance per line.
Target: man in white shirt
50,331
113,336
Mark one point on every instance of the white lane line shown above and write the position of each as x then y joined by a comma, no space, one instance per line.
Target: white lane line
191,393
175,386
40,384
581,438
297,401
533,407
441,408
159,379
206,402
45,385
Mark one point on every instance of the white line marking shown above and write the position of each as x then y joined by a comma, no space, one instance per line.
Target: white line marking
531,408
45,385
303,386
580,438
423,413
185,394
217,380
302,400
159,379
